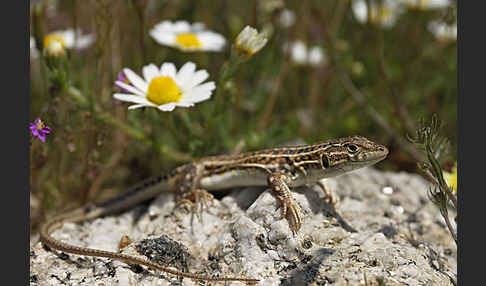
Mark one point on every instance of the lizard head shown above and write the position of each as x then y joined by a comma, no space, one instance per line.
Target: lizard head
350,153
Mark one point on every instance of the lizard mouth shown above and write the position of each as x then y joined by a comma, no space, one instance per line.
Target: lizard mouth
376,159
378,155
369,159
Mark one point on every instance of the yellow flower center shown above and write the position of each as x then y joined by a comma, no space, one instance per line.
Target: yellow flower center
163,90
54,38
188,40
40,125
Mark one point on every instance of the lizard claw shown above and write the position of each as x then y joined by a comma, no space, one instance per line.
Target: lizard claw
330,196
197,201
291,211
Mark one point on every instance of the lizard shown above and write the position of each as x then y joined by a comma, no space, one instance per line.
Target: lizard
279,169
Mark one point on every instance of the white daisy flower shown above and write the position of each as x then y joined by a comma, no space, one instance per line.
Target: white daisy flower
298,52
426,4
384,14
55,49
316,56
442,31
69,39
303,55
287,18
186,37
165,88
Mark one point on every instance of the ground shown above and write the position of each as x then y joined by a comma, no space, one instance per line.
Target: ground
383,231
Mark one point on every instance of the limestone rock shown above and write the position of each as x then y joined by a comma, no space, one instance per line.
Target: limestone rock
383,230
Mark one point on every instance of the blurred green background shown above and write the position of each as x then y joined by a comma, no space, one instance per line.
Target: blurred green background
369,79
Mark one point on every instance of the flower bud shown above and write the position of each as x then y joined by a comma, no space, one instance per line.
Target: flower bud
250,41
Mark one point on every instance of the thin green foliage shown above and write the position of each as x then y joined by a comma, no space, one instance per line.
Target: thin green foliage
429,139
97,146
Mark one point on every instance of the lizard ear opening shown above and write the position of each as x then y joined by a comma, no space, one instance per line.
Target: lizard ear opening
324,162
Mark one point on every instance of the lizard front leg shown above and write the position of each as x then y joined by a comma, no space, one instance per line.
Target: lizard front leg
330,196
279,183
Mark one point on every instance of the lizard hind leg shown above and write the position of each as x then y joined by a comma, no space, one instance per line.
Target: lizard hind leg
189,195
197,201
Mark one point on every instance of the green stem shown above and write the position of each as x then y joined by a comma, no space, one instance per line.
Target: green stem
76,94
137,134
438,174
133,132
191,126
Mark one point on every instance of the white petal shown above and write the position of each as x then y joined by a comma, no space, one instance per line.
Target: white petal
197,97
137,81
316,56
197,78
168,69
211,41
360,11
137,106
197,91
67,36
198,94
208,86
299,52
185,73
181,26
184,104
129,88
167,107
163,26
149,72
83,41
131,98
197,26
163,38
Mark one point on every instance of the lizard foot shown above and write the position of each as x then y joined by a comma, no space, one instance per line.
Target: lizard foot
330,197
196,201
291,211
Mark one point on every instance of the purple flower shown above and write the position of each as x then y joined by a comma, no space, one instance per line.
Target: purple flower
123,78
39,130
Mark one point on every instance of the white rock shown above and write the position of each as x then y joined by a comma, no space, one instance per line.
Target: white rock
243,235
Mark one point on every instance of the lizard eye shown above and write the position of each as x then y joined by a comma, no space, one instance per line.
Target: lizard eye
325,161
352,148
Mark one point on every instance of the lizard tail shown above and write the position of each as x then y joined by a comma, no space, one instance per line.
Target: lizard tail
83,214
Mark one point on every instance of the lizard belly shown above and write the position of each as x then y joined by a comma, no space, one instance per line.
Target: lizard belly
233,179
312,177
